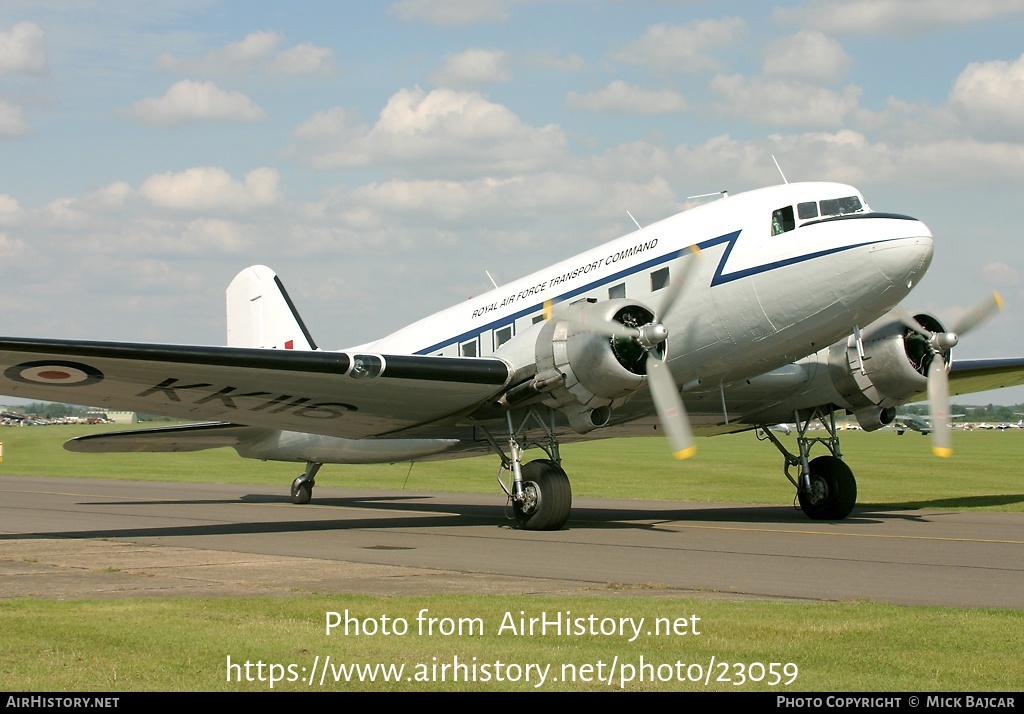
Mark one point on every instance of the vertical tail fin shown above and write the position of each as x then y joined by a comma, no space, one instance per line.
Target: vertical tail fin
260,313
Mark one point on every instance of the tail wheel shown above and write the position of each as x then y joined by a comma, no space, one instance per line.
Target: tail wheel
547,497
302,491
833,491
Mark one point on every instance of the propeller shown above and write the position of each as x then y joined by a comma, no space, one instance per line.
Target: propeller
664,391
938,381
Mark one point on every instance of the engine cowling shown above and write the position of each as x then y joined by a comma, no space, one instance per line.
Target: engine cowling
890,367
587,374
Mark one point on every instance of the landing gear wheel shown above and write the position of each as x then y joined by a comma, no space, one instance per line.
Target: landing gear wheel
302,491
547,497
833,490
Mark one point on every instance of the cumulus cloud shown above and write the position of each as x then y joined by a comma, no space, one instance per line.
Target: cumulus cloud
9,209
451,130
683,49
809,55
210,189
472,68
899,17
257,51
783,103
989,96
23,50
450,13
621,98
1000,273
303,59
11,248
189,101
12,121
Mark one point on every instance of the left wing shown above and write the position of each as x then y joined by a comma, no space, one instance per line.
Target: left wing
982,375
332,393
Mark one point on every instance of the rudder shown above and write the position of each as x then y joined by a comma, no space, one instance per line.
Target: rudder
261,314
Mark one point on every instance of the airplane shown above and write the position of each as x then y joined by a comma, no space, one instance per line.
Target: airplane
913,422
777,305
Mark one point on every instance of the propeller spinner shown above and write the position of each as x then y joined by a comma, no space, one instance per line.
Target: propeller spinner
939,343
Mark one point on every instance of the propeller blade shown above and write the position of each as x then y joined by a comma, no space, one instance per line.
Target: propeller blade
669,406
977,314
675,287
938,399
607,328
910,321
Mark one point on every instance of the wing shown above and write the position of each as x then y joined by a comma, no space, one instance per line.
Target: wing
982,375
332,393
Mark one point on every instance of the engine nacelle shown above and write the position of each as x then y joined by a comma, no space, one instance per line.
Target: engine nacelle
596,373
892,368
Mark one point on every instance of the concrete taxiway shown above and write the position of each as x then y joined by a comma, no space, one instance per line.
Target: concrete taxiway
75,538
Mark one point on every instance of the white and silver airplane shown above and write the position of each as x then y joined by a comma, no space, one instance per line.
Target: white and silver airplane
772,306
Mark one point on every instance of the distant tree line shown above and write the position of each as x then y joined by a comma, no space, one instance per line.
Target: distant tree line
991,412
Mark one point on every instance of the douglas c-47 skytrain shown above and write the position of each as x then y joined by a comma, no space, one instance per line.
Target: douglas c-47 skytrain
779,305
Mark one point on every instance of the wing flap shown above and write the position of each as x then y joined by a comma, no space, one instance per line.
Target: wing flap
333,393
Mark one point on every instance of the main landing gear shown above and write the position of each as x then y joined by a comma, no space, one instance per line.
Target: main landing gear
302,487
539,492
825,488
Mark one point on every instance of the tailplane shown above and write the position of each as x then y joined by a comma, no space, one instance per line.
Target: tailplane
260,313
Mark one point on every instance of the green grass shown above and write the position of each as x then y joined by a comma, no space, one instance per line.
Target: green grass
173,645
892,471
183,644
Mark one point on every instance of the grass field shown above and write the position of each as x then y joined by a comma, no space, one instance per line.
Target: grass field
183,644
892,471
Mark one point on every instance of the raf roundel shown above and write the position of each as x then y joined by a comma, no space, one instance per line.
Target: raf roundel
57,373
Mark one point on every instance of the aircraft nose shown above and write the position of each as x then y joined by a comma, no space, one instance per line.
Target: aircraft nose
905,258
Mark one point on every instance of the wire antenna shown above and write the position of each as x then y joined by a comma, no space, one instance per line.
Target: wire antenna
634,220
723,194
780,169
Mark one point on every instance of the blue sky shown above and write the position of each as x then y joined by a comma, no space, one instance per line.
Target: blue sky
382,156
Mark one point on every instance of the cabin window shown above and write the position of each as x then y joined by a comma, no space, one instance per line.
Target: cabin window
659,279
841,206
538,318
617,291
807,210
782,220
468,349
502,336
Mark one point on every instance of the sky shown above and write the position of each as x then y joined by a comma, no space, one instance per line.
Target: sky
383,157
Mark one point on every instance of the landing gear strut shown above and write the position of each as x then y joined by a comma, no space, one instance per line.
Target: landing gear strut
825,488
302,487
539,492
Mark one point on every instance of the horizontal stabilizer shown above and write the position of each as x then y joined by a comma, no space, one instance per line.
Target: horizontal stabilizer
184,437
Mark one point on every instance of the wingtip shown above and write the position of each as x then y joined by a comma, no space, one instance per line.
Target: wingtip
684,454
942,452
999,300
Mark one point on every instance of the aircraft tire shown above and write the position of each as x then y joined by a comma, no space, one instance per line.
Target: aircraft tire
548,497
833,490
302,491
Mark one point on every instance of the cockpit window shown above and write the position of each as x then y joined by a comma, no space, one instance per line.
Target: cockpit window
807,210
782,220
841,206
